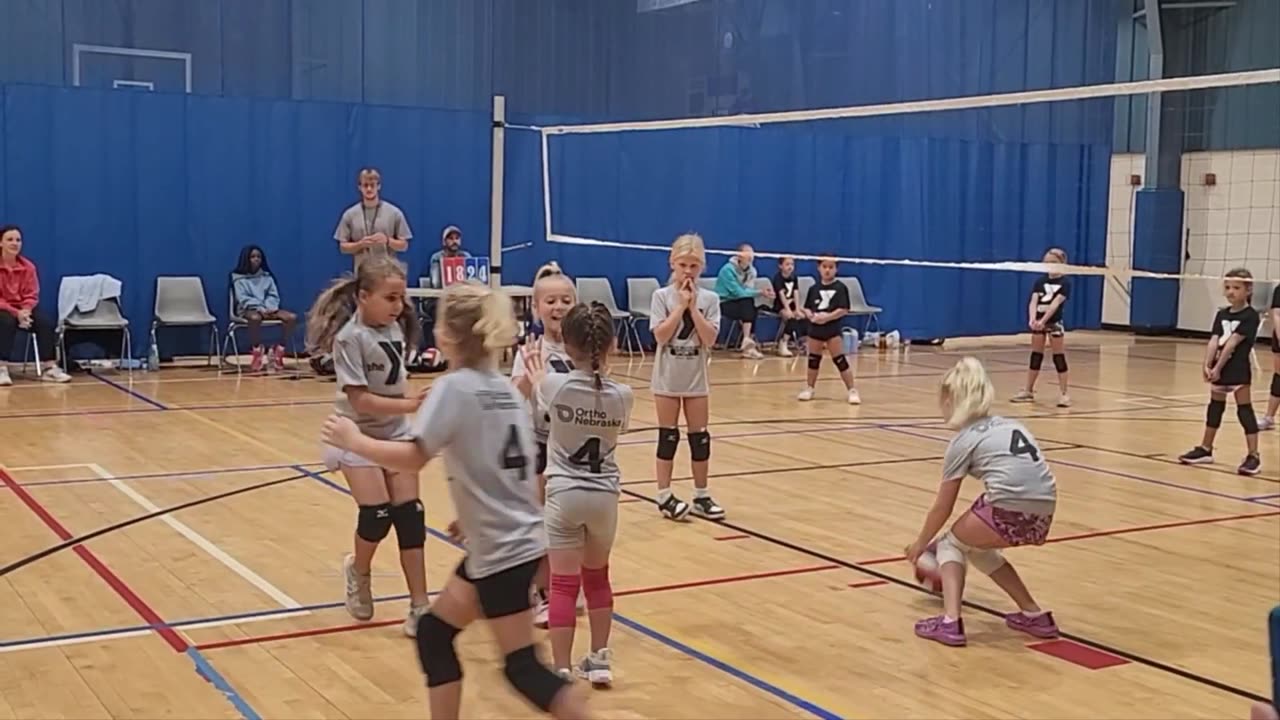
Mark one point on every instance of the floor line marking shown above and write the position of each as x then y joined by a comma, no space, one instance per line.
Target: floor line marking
199,540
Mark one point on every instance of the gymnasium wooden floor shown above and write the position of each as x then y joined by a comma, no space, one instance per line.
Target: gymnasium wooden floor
799,605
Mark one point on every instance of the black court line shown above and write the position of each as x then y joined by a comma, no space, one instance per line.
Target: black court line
1133,657
1164,460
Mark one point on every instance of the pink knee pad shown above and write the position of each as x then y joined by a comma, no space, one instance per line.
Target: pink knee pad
562,610
596,588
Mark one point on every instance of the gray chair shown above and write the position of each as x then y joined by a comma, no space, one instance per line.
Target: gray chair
707,283
106,317
804,286
180,303
235,323
858,306
640,300
598,289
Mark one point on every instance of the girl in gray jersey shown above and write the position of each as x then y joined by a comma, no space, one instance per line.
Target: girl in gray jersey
475,418
588,412
684,320
364,320
1015,508
553,295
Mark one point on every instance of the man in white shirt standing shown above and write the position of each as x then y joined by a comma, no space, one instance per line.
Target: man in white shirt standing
372,226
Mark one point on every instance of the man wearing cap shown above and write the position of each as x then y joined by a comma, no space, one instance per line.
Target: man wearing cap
450,247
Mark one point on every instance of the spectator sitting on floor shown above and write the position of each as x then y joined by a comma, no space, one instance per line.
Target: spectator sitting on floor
735,284
19,296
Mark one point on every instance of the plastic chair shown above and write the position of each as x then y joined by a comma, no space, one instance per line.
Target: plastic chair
180,303
236,322
598,289
106,317
31,347
640,300
858,306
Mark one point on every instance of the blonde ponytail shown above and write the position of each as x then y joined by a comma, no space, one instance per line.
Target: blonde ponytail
968,391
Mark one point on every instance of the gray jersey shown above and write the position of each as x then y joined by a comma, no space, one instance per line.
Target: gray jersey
556,361
476,420
1005,456
680,366
359,222
372,358
585,425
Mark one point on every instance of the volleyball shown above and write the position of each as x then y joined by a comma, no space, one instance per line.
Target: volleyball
928,573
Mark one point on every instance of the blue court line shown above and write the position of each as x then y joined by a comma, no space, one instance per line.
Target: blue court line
166,475
129,391
672,643
1265,497
206,670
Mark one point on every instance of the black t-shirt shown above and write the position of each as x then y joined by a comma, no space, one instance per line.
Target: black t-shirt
1238,369
785,289
1275,326
1045,291
826,298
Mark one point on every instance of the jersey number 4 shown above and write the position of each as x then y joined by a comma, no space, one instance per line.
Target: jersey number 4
1020,444
513,457
588,455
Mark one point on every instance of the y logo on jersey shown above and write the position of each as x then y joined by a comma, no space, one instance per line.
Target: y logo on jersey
686,325
393,350
1050,290
824,298
1228,329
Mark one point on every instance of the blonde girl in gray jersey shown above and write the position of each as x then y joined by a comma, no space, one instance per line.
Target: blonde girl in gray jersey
365,322
588,412
553,295
1015,508
475,418
684,320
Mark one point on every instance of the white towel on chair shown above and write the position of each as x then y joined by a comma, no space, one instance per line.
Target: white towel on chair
84,292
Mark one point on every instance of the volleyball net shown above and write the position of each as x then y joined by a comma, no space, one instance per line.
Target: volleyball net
948,194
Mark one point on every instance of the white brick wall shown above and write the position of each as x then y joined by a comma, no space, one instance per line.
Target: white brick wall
1234,222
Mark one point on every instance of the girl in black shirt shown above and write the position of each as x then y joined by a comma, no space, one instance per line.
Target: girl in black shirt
1273,404
1228,370
1045,320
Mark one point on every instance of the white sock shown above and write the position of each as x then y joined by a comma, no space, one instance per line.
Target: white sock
948,619
664,495
1035,614
701,492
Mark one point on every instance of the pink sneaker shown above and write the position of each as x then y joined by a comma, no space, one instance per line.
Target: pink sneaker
938,629
1041,626
259,357
277,358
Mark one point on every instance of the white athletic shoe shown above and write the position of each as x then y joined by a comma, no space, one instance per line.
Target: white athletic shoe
54,374
750,351
1023,396
805,395
854,397
358,589
411,621
1064,400
1266,423
596,667
784,350
5,380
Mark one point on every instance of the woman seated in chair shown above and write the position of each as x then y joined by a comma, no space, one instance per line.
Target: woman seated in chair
19,294
256,298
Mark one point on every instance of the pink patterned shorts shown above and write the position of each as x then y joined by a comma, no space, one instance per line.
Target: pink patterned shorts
1015,528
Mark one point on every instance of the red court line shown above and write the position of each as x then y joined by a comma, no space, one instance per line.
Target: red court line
1074,652
129,596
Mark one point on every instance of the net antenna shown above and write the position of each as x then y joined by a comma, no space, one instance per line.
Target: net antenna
969,102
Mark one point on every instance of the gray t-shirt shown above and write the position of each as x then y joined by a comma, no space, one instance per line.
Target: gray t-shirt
359,221
1006,457
372,358
680,366
476,420
556,360
585,425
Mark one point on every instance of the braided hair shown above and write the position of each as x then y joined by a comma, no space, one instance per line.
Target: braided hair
588,330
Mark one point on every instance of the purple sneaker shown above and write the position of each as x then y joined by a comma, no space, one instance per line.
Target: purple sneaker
1042,626
937,628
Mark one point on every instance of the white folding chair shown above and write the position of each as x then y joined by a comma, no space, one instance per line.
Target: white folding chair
598,289
180,302
106,317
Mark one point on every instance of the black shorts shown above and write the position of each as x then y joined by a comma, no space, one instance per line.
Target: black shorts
1054,329
742,309
1275,344
505,592
825,331
542,458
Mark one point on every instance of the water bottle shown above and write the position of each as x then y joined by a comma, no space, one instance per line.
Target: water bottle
153,358
850,339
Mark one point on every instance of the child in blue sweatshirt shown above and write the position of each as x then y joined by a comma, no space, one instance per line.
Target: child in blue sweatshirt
256,298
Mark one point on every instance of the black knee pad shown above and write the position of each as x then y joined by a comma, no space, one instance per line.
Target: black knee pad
1060,362
1213,416
1275,384
1037,359
841,362
435,651
374,522
700,446
815,361
411,524
1248,420
668,441
531,678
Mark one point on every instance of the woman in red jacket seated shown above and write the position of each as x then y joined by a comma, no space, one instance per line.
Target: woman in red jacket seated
19,293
